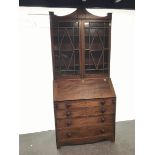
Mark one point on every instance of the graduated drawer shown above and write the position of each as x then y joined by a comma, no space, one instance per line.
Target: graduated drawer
85,140
85,112
85,131
84,103
84,121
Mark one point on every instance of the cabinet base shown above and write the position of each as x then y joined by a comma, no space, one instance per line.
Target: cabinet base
85,141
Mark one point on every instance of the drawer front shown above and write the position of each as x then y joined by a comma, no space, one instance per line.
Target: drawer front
83,121
84,112
84,103
85,140
87,131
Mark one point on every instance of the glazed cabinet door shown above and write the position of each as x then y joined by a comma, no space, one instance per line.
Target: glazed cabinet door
97,47
65,48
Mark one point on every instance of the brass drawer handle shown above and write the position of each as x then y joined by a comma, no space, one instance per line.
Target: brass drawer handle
102,131
69,123
102,102
102,110
102,119
68,113
69,134
68,105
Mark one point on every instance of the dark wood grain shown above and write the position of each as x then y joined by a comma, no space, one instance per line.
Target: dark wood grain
84,121
83,112
85,140
88,108
69,104
86,131
75,89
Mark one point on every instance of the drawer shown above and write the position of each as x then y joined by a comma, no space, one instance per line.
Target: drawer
85,140
84,103
85,131
85,112
84,121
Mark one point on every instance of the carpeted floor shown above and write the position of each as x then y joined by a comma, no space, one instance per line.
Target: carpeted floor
43,143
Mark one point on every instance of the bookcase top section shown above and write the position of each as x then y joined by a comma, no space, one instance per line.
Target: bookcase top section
81,44
88,88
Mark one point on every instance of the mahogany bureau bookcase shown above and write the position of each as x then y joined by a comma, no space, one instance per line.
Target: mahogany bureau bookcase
84,97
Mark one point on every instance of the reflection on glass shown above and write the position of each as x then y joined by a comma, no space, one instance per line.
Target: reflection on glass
96,47
66,50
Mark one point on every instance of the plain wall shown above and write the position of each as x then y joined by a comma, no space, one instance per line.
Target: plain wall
36,94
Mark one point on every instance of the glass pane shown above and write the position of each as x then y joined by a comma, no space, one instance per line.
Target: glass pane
66,48
96,47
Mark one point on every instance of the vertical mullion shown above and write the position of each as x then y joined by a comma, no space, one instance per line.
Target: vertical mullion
89,45
104,46
59,48
74,46
82,47
80,50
